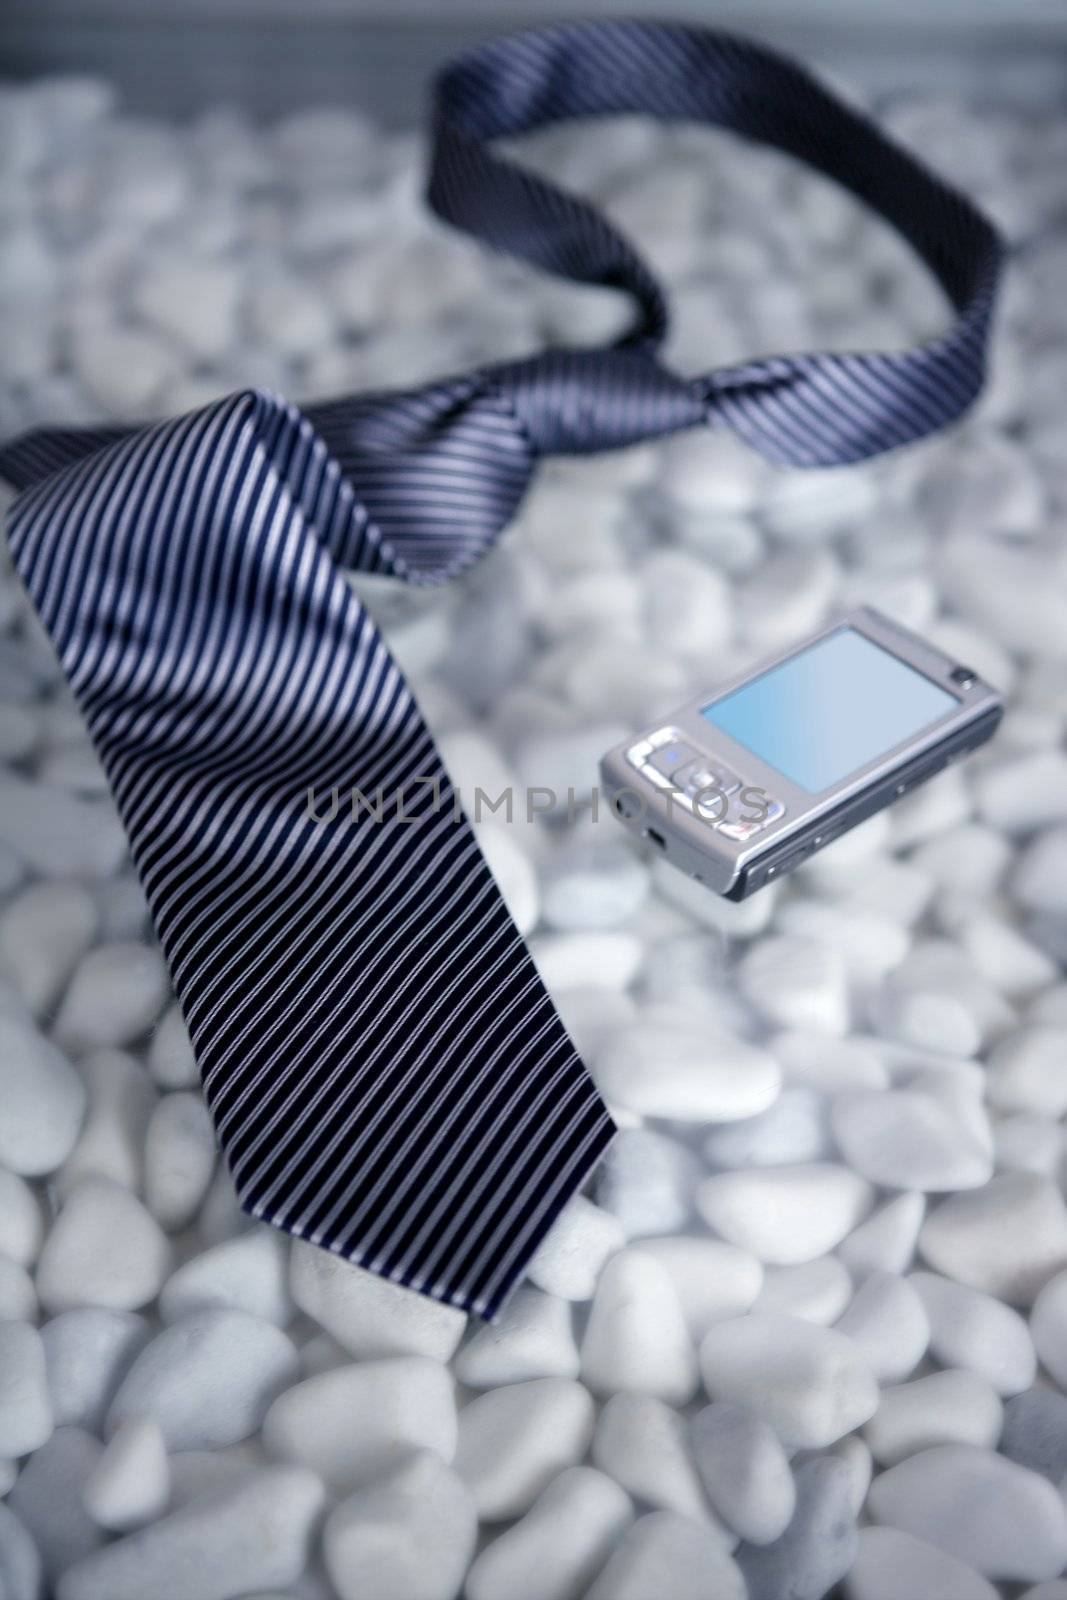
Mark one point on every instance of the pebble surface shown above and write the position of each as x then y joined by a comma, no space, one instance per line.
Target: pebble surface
805,1333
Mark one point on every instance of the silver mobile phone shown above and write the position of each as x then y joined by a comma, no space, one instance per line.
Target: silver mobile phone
738,787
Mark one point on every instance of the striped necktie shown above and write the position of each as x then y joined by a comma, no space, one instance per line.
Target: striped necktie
386,1072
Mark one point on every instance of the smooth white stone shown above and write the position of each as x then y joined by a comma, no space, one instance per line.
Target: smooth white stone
1007,1239
25,1409
104,1249
583,960
179,1158
815,1291
593,886
796,983
410,1537
249,1273
48,1499
590,1015
1048,1327
1027,1071
43,1100
43,934
111,1143
644,1445
666,1554
686,1072
207,1380
289,316
20,1563
793,1130
123,908
513,1441
647,1182
1027,1143
636,1340
114,996
686,602
1039,881
929,1020
887,1321
367,1314
403,1403
907,1139
570,1258
125,370
890,1563
213,1547
740,920
191,301
951,1407
18,1298
130,1483
1019,796
970,857
887,1240
972,1330
1007,591
559,1545
785,1215
712,1280
895,889
1054,1589
744,1470
712,472
532,1338
1002,1519
21,1219
786,596
1004,956
869,945
811,1384
88,1352
170,1055
19,732
829,1066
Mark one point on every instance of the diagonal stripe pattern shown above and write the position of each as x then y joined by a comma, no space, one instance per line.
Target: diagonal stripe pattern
386,1071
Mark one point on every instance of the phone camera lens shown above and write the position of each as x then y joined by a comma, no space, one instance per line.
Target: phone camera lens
963,677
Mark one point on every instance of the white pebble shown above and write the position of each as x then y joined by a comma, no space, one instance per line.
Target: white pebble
793,1130
1039,881
104,1249
179,1158
571,1256
581,960
972,1330
593,886
207,1380
950,1407
908,1139
557,1547
1000,1518
124,369
366,1313
130,1484
644,1445
212,1548
886,1241
513,1442
170,1055
785,1215
811,1384
191,301
745,1471
20,1562
404,1403
971,858
815,1291
114,996
47,1497
43,1100
890,1563
664,1554
513,872
647,1182
688,1073
636,1340
887,1321
1007,1239
409,1537
249,1273
25,1409
111,1143
532,1338
21,1219
1021,795
87,1353
18,1298
1027,1071
43,934
711,1279
797,983
828,1066
1048,1327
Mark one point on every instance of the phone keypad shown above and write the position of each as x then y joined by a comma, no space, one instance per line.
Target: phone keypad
706,787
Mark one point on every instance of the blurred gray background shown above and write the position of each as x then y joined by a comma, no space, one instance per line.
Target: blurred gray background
171,56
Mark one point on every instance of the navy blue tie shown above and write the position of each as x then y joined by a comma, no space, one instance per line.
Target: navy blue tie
386,1071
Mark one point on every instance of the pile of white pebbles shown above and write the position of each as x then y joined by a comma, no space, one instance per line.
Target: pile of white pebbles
808,1333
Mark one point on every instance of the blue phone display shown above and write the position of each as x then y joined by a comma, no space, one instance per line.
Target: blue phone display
830,710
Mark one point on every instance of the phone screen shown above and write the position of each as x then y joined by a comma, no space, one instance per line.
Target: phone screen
828,711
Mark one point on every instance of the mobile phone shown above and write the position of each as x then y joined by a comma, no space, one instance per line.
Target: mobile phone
739,786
